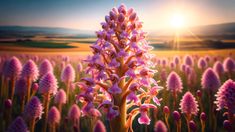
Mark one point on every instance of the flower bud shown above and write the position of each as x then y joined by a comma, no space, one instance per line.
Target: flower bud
193,126
121,18
176,115
203,116
132,17
227,125
166,110
8,104
199,93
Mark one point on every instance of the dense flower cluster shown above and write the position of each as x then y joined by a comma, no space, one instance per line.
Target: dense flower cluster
226,96
188,104
120,57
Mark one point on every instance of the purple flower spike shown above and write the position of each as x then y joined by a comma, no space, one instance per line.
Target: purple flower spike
45,67
13,67
176,60
21,87
33,109
99,127
202,64
160,126
60,97
225,97
79,67
48,84
229,64
68,74
176,115
18,125
188,104
30,70
120,59
210,80
174,83
188,60
74,112
53,116
218,68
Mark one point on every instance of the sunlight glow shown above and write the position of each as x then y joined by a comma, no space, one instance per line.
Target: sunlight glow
177,21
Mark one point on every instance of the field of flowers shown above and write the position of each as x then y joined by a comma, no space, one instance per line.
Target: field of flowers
120,87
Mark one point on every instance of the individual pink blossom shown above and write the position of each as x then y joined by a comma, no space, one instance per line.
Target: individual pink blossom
176,60
188,60
48,84
30,70
53,116
188,104
74,112
13,67
218,68
229,64
160,126
172,65
33,109
45,67
79,67
164,62
68,74
174,82
202,63
208,58
163,75
144,119
210,80
60,97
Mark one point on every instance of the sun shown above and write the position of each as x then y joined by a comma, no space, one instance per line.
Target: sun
177,21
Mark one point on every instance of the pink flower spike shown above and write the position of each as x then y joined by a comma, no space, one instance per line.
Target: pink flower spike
18,125
188,104
54,116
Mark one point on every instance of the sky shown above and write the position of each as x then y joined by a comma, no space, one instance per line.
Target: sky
88,14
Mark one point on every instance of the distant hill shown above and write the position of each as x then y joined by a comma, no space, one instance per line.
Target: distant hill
24,31
225,30
215,29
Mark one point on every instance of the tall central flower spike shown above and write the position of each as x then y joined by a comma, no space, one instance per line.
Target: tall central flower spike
120,67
